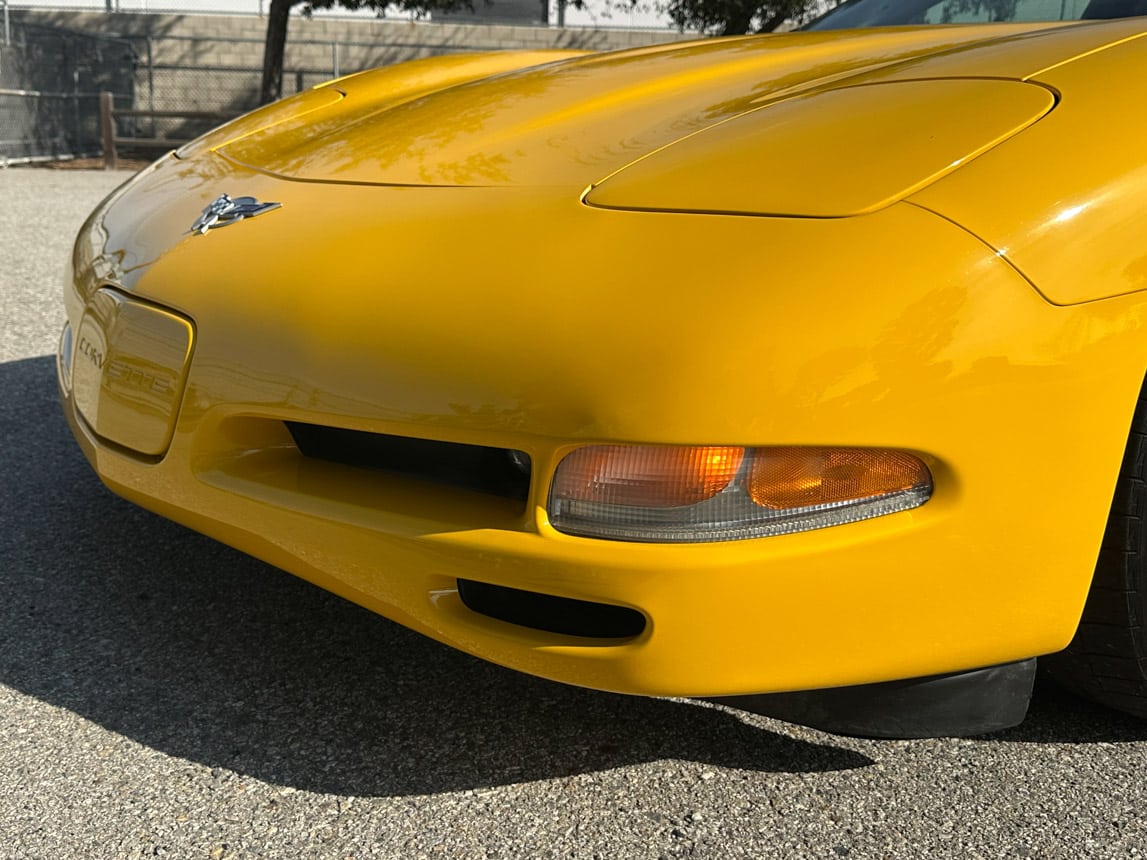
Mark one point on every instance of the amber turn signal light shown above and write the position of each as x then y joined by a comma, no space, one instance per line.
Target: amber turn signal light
716,493
783,478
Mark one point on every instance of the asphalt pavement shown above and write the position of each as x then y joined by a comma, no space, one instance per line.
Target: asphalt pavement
163,695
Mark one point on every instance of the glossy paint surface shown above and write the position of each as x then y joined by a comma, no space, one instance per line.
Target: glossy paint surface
572,122
912,136
1068,195
513,315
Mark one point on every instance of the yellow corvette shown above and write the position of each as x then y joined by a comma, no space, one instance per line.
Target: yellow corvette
793,370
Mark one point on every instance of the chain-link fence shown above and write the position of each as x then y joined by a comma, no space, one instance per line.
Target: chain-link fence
223,73
50,81
194,76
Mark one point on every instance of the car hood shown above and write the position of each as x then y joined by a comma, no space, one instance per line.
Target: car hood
578,120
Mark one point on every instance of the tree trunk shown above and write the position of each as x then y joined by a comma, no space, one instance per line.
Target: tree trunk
277,20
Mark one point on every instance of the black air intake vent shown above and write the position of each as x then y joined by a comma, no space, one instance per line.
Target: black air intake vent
502,472
549,613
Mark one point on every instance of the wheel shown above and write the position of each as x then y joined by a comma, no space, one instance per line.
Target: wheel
1107,659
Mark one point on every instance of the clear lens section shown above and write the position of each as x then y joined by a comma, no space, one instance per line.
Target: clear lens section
692,494
646,477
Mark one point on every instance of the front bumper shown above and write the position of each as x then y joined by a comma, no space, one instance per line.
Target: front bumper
947,353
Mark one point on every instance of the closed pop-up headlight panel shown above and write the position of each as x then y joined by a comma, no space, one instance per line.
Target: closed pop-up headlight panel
830,154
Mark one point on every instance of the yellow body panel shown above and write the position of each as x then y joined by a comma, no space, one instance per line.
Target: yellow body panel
1068,195
572,122
911,137
516,316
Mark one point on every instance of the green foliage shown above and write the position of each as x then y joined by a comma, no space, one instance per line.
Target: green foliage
725,17
731,17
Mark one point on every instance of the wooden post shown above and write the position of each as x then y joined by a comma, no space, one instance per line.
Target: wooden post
107,129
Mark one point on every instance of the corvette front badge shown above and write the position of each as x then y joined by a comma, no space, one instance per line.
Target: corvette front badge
224,210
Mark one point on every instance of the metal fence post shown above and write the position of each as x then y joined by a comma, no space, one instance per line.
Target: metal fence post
151,85
79,129
7,25
107,130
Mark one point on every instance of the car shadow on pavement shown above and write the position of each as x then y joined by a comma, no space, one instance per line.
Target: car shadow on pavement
201,652
1058,716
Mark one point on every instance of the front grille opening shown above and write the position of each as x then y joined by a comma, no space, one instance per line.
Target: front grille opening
549,613
503,472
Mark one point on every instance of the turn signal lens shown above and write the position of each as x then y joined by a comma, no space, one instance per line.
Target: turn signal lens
646,477
690,494
784,478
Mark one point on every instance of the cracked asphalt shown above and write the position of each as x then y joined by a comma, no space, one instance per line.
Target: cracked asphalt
163,695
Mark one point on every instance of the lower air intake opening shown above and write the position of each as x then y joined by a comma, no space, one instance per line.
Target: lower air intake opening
549,613
501,472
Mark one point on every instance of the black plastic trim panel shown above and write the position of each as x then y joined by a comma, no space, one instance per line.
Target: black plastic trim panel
953,705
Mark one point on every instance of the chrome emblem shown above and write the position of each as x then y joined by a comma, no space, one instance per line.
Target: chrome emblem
224,210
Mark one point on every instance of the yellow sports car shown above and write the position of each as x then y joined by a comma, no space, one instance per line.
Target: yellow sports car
795,371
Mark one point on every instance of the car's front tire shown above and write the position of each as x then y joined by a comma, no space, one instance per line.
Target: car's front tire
1107,659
